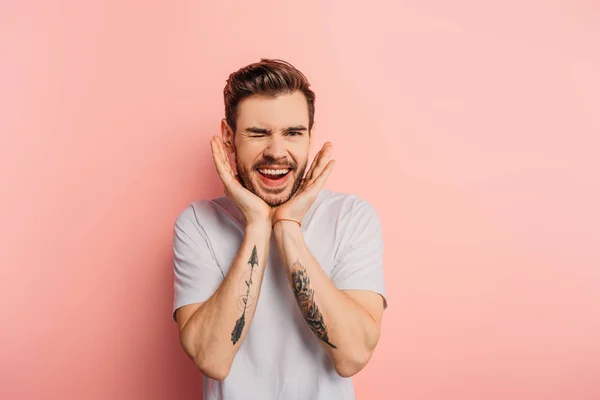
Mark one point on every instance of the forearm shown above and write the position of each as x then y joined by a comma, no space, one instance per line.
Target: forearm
345,330
217,329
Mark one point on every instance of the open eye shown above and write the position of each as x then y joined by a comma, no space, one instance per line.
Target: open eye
294,133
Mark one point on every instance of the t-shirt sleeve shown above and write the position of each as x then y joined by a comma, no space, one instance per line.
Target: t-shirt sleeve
359,260
196,272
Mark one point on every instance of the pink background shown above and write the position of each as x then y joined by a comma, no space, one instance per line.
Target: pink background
472,126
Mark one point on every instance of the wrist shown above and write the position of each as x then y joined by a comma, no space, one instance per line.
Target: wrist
284,221
263,226
286,228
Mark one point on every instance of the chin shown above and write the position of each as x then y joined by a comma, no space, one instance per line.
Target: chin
274,197
274,200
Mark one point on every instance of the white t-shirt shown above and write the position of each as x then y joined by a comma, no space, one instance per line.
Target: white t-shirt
280,357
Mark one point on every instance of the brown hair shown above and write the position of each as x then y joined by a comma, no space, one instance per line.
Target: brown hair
269,77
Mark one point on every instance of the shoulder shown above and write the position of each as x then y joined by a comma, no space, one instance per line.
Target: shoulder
199,213
348,205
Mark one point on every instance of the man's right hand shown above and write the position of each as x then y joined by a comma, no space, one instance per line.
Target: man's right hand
252,207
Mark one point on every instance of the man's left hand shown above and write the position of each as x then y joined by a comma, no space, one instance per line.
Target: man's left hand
319,171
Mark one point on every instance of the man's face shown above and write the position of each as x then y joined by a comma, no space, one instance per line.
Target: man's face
271,145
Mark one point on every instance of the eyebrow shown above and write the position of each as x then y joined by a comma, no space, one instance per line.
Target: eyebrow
255,129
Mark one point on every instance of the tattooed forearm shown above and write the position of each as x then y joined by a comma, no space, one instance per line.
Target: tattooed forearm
305,297
239,325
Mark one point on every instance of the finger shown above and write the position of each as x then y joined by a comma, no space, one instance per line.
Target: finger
321,162
224,174
224,151
223,154
217,159
225,158
312,166
315,161
320,180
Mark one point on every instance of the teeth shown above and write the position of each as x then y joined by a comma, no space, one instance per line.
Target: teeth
273,171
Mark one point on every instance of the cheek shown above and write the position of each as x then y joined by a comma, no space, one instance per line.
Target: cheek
302,160
299,153
248,155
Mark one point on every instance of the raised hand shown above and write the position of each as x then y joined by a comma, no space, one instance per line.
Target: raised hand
319,171
252,207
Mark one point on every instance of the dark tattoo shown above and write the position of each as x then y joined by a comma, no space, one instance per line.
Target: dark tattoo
245,300
305,298
239,325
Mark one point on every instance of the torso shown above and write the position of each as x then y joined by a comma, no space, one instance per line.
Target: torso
280,358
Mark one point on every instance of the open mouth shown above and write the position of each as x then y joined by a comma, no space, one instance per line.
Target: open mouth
273,177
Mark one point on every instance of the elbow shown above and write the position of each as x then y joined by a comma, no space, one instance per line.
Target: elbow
350,366
352,363
214,369
218,374
212,364
346,371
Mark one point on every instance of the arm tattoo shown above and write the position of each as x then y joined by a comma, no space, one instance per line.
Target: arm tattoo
239,325
305,298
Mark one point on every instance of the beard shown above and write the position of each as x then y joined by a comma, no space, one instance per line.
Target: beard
273,197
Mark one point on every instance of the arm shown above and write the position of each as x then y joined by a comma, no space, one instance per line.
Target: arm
212,332
347,323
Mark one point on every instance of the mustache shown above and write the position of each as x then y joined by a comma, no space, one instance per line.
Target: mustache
266,164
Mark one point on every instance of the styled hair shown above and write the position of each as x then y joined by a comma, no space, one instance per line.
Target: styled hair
270,77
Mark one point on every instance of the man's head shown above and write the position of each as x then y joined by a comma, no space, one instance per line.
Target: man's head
269,115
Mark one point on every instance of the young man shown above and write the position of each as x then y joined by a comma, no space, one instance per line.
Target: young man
279,288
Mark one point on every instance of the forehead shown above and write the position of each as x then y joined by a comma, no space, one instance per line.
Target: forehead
273,112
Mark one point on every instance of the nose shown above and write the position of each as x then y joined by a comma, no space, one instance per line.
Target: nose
276,148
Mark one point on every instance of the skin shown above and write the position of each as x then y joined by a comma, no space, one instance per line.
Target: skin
279,147
347,323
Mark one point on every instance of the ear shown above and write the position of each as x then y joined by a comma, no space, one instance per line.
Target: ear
227,135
